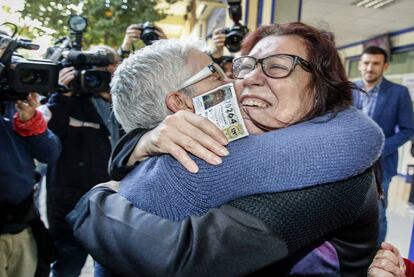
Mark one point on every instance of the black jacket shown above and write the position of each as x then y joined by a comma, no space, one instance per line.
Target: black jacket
260,235
85,152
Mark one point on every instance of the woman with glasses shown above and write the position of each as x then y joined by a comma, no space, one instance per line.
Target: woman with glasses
291,81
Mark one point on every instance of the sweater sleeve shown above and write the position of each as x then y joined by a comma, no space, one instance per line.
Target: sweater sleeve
45,147
315,152
59,106
409,272
42,144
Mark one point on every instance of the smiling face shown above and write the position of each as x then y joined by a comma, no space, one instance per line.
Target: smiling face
275,103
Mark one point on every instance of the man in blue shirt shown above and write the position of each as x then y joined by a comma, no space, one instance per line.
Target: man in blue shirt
390,106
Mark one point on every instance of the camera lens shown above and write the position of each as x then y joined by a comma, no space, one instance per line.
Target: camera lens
33,77
235,37
149,36
233,41
92,81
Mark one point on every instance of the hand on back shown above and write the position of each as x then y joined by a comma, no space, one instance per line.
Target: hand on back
180,134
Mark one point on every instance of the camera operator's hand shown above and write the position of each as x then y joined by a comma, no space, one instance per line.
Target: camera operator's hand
132,34
67,75
26,109
180,133
218,39
160,33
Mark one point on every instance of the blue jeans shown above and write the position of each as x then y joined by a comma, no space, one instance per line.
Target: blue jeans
382,212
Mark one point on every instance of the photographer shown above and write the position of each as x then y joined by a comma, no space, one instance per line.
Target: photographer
225,62
217,50
82,121
134,33
24,136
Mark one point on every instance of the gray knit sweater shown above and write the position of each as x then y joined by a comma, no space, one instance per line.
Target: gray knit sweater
322,150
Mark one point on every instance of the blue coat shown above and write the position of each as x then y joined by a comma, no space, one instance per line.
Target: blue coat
17,168
394,114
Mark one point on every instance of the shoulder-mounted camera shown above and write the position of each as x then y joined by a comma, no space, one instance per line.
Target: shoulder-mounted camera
68,52
20,76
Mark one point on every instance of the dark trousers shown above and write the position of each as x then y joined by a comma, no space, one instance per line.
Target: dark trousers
71,257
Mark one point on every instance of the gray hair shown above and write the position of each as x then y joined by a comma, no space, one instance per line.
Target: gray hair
141,82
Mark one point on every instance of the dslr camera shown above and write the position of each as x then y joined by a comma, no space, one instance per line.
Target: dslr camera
234,37
19,76
235,34
148,33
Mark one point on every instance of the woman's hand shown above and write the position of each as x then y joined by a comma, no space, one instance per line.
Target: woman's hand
179,134
387,262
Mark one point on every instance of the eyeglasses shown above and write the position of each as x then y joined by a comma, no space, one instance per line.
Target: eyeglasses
202,74
274,66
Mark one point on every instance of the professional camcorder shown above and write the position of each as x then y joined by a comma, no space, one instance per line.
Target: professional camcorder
68,53
88,79
235,34
19,76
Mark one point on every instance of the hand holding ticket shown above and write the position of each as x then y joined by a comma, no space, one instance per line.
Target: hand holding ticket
220,106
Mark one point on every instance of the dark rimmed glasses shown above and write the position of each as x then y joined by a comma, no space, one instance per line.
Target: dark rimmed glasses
274,66
202,74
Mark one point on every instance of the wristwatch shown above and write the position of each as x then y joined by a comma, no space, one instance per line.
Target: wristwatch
124,54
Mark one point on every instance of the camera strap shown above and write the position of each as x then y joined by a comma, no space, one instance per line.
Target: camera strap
73,122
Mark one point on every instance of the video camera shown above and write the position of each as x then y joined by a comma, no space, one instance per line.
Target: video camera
88,79
19,76
235,34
